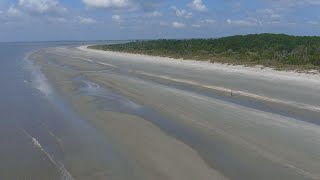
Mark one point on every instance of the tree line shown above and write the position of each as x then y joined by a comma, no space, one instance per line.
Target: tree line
266,49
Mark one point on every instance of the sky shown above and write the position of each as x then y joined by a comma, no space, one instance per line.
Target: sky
51,20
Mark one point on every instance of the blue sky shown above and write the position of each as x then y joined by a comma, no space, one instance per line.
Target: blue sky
38,20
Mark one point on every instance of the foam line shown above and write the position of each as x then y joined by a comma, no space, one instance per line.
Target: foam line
65,174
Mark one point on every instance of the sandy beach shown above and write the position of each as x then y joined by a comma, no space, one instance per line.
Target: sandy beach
254,71
174,119
159,90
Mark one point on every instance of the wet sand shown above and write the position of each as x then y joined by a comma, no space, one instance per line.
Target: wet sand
164,125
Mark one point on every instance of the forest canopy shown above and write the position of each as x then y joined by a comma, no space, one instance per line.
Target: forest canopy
264,49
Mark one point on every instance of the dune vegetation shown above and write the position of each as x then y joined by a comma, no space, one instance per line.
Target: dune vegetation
273,50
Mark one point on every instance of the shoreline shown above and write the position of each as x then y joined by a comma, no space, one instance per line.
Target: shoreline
258,70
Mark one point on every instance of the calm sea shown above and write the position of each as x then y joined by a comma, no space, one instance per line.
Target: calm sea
39,137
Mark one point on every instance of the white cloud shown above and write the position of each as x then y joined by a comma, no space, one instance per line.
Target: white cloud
203,23
57,20
14,12
155,14
263,16
315,2
209,21
182,13
43,10
296,2
283,4
196,25
198,5
86,20
40,6
244,22
269,15
178,25
132,5
116,18
106,3
312,2
313,22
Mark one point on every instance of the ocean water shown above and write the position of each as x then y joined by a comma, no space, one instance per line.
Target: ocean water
40,138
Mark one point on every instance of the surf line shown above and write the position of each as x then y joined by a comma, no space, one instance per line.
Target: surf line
65,174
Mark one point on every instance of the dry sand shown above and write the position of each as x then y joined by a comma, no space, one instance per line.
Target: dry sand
254,71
